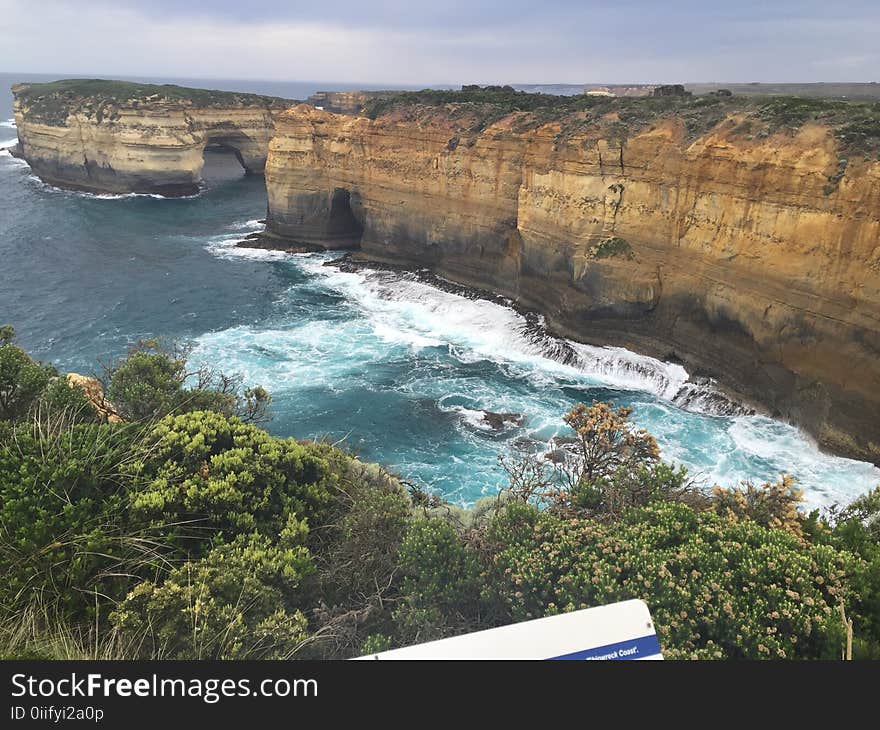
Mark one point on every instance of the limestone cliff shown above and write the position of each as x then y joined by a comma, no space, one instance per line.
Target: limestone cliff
750,251
109,136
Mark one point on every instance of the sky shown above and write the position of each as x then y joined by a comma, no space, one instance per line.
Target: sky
447,41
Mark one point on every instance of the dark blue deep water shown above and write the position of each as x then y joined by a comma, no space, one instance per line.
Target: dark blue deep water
395,369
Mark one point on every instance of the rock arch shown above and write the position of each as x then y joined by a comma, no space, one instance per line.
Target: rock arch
250,152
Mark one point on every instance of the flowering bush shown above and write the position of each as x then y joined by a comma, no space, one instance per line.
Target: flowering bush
771,505
716,588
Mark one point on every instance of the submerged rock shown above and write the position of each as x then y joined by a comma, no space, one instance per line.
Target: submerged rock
260,240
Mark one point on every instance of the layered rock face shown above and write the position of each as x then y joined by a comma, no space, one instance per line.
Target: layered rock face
151,144
752,258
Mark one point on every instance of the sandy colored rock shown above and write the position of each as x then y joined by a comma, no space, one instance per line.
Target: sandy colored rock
151,145
95,395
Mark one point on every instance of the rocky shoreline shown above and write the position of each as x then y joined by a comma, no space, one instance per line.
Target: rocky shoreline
731,253
728,236
715,398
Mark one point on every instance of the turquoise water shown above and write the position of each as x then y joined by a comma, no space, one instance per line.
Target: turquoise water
394,368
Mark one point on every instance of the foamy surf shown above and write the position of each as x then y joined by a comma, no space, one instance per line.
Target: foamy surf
226,247
102,196
11,162
398,343
252,225
405,309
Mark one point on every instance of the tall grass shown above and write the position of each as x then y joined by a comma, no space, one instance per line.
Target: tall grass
40,632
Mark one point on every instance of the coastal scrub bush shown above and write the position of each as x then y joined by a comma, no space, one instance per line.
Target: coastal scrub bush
22,379
62,400
442,585
155,379
65,541
355,547
210,477
856,529
605,468
771,504
716,588
238,601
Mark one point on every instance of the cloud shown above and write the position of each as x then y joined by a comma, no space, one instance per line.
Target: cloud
453,42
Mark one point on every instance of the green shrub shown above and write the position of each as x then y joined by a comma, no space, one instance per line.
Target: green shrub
63,400
856,530
156,378
614,247
22,379
716,588
441,592
355,547
65,541
238,601
211,477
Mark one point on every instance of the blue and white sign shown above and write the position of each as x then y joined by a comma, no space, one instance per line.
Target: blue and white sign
622,630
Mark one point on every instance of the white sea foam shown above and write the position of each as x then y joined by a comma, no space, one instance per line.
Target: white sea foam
116,196
12,162
828,478
405,310
104,196
9,123
252,225
625,369
225,247
473,418
394,313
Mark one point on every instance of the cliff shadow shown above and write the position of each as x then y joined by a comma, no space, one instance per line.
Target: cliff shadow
342,223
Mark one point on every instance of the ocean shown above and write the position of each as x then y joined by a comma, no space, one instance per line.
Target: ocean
384,363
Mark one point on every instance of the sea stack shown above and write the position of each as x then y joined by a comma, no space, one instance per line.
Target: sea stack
119,137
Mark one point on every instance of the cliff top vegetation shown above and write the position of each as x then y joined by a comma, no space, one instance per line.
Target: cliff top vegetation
856,124
53,101
181,530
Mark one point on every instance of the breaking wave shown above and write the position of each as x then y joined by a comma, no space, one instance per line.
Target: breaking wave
412,369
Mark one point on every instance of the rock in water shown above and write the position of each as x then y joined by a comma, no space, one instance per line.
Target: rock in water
120,137
498,420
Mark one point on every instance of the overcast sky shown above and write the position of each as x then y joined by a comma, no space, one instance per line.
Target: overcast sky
447,41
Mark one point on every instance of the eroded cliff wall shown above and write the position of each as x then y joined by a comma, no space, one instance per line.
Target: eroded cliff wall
142,140
753,258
